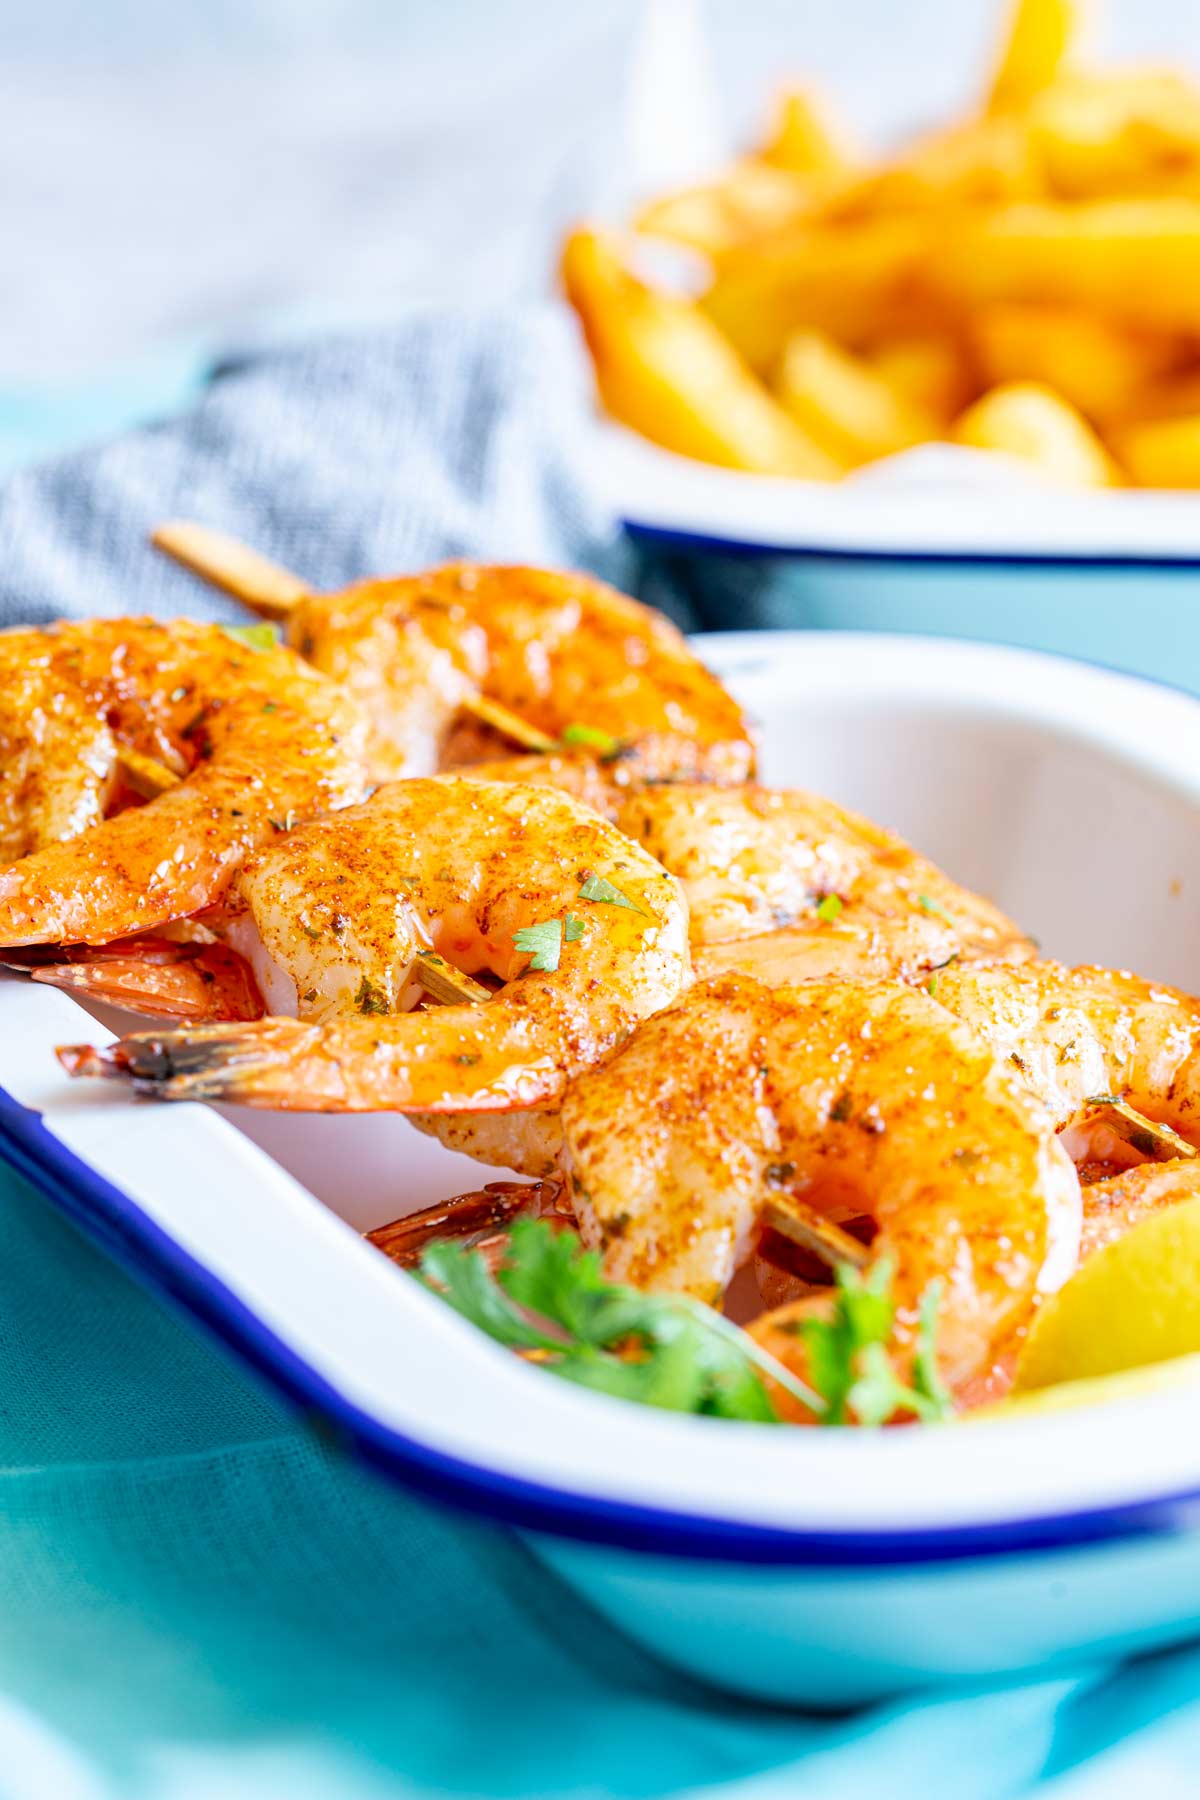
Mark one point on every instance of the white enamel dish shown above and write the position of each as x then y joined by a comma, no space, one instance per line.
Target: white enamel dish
798,1565
936,503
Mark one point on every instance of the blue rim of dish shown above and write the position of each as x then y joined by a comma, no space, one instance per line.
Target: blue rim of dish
133,1239
673,537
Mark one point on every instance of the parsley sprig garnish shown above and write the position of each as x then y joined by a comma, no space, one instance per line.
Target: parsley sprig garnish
664,1350
550,1299
598,888
543,942
848,1358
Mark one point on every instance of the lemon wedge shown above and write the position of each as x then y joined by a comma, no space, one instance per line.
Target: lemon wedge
1135,1302
1130,1384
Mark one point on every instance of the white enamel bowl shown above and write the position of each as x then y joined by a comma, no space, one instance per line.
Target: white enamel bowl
797,1565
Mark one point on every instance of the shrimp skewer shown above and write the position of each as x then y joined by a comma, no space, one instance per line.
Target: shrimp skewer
335,916
535,652
857,1097
262,740
780,884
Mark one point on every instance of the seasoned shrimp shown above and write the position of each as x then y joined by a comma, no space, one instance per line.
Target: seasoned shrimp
857,1098
258,739
569,654
424,654
569,771
776,863
1112,1206
1072,1034
779,883
785,886
339,914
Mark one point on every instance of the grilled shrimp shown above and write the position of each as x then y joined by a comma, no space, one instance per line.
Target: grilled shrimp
258,739
780,884
1073,1034
773,875
338,917
784,885
557,654
1111,1207
856,1098
561,652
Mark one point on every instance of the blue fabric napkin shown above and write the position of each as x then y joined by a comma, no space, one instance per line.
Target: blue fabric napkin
197,1600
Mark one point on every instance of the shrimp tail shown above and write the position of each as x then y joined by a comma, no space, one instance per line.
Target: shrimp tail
153,976
446,1059
201,1064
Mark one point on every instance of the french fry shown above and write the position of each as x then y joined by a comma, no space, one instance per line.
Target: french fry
985,162
1099,366
752,199
1175,396
930,372
1042,37
803,141
853,282
844,403
1163,453
1026,420
1120,133
663,368
1040,257
1135,260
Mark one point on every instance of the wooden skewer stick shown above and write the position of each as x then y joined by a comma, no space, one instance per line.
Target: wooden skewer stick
1154,1141
273,592
446,984
262,585
510,724
146,775
802,1224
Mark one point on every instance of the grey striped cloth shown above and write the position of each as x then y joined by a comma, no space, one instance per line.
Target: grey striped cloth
449,434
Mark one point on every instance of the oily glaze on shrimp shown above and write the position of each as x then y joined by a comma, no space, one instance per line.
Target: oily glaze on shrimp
258,739
785,886
862,1098
343,909
780,884
564,652
1073,1034
777,864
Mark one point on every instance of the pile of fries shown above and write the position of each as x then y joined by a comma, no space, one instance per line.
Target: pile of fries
1026,281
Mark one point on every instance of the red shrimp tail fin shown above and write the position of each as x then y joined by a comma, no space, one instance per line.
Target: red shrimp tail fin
192,983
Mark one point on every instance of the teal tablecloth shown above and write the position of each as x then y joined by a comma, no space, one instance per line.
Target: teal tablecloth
199,1602
197,1599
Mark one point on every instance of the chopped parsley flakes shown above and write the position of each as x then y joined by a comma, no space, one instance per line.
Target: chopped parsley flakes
542,943
369,998
591,737
597,888
254,637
